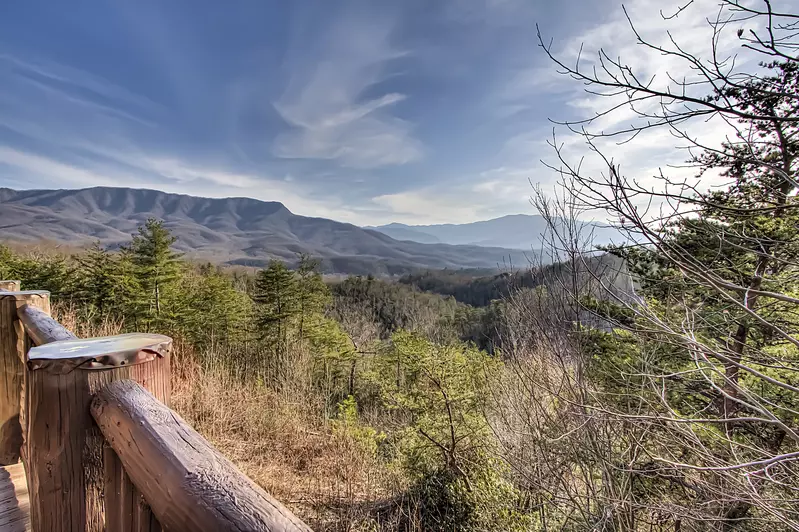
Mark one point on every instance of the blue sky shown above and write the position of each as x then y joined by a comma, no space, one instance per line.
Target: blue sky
418,111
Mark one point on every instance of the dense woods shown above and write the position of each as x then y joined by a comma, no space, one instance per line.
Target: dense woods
394,372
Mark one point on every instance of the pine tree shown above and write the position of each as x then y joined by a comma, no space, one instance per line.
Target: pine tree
743,240
97,281
45,271
156,265
440,392
278,307
314,295
716,340
212,310
6,262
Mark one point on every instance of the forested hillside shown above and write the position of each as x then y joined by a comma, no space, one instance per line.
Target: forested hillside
377,368
480,288
241,231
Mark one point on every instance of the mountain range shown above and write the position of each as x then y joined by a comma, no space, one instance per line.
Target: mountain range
516,231
241,231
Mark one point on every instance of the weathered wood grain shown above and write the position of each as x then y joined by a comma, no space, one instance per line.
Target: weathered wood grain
14,505
13,345
40,327
188,483
64,451
11,286
126,508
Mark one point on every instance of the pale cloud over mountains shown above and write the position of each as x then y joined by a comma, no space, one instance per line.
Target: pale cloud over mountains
368,112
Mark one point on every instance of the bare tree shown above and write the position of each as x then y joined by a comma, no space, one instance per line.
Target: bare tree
685,409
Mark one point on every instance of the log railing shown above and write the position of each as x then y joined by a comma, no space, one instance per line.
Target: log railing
102,450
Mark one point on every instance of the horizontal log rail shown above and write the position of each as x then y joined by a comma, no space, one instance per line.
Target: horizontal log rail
100,447
40,327
189,484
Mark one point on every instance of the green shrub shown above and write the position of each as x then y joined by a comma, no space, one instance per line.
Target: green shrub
484,501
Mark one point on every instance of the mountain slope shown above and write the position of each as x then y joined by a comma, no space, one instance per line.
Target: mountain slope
399,231
519,231
232,230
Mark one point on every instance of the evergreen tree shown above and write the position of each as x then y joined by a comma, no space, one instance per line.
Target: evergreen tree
715,339
212,311
156,265
97,278
314,295
6,262
44,271
447,447
743,241
277,298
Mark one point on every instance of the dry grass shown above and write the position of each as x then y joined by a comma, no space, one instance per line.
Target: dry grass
69,317
284,441
44,247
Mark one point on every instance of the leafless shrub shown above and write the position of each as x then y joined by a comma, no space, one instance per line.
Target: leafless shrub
710,443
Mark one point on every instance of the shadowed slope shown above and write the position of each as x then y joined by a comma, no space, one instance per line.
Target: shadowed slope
234,230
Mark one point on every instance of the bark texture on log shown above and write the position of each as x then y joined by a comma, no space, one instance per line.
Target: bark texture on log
40,327
188,483
13,346
64,451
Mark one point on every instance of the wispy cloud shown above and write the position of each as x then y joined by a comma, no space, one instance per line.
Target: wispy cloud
413,111
428,205
650,152
60,107
70,80
63,127
175,176
492,194
38,167
330,101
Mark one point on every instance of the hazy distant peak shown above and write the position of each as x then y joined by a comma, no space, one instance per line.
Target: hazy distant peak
518,231
233,230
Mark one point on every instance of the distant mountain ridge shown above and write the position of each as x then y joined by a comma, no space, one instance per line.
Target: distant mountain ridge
229,230
515,231
406,232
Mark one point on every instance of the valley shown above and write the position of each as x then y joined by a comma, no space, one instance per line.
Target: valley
236,231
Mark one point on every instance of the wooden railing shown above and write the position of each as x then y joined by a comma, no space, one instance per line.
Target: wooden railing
102,450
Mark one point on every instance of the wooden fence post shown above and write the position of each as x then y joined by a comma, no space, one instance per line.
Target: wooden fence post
75,484
13,346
